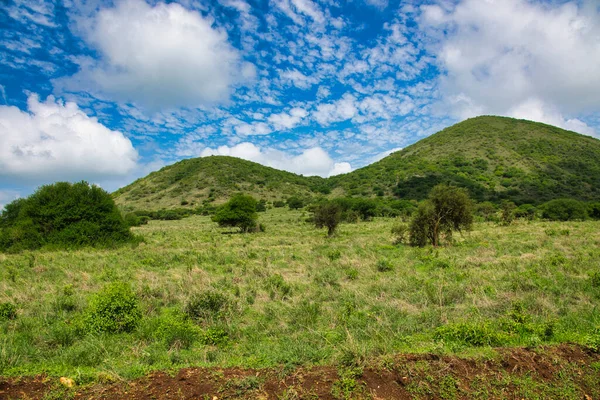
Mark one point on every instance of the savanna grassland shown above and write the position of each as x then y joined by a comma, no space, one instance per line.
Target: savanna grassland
291,296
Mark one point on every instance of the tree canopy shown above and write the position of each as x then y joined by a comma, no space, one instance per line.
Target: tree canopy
62,215
239,211
447,209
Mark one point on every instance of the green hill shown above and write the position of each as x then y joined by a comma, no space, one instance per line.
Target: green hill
189,183
495,158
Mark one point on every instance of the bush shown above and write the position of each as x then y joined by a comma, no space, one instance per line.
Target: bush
114,310
294,203
63,215
564,210
278,204
209,305
240,212
7,311
176,330
594,210
261,206
132,219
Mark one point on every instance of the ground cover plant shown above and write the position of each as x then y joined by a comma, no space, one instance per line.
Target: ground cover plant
191,294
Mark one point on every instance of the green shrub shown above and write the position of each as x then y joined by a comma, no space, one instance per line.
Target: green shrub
63,215
114,309
209,305
384,266
7,311
470,334
239,211
278,204
131,219
176,330
294,203
564,210
278,287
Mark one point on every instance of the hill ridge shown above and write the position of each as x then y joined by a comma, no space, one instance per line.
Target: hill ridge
495,158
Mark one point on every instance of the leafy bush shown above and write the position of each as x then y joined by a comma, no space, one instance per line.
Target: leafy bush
261,206
176,330
295,203
240,212
7,311
278,203
594,210
209,305
115,309
564,210
132,219
63,215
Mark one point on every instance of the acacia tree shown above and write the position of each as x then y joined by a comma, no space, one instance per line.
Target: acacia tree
239,211
447,209
327,214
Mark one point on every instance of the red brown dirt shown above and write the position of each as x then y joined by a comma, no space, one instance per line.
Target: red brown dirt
400,377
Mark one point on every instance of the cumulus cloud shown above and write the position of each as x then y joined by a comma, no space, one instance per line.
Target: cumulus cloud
339,110
158,56
500,54
289,120
313,161
57,141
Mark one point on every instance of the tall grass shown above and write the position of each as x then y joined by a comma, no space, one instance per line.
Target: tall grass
292,295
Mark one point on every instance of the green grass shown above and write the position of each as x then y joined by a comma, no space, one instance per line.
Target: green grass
292,296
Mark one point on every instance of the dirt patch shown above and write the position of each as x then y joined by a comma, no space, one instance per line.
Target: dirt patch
564,371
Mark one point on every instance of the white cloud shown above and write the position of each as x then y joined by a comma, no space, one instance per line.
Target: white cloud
536,110
340,168
313,161
58,141
288,120
158,56
497,55
340,110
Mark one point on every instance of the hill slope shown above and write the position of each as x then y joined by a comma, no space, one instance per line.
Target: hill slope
188,183
495,158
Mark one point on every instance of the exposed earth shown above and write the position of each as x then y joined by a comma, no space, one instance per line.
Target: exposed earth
558,372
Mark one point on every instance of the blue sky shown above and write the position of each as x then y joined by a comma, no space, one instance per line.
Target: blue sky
108,91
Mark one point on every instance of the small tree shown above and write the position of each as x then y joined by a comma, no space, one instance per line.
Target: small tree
327,214
239,211
448,209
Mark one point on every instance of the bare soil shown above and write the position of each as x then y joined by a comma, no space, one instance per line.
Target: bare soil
564,371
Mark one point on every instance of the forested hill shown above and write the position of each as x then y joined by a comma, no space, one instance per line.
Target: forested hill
495,158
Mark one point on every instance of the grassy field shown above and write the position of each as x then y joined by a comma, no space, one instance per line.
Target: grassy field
292,296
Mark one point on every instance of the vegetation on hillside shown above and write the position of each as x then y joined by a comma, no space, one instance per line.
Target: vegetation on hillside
494,158
62,215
